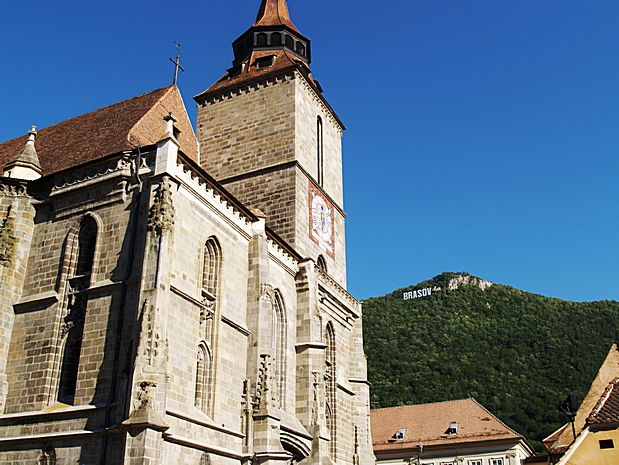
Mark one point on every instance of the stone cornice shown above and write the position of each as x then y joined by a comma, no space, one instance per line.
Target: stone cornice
10,187
331,284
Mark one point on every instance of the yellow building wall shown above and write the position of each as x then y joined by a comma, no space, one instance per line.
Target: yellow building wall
589,452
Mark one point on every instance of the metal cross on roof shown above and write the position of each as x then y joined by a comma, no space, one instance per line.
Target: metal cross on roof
177,62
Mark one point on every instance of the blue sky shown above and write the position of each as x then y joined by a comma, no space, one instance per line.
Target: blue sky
483,134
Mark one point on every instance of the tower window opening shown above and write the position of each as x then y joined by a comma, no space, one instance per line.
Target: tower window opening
276,39
261,40
289,42
264,62
301,49
319,152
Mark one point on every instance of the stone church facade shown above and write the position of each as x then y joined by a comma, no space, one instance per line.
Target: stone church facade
178,297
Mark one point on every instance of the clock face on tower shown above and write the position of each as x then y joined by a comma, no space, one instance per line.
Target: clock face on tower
321,219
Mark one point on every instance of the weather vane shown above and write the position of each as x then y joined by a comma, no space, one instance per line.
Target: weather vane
177,63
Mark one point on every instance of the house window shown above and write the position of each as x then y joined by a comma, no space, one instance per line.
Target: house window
453,428
496,461
319,151
607,444
474,462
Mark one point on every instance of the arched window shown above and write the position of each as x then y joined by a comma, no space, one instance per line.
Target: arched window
321,263
204,367
87,241
211,268
72,330
301,48
330,380
276,39
319,152
279,346
261,40
289,42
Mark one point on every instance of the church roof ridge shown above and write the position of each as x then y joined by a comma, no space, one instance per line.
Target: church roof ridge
107,130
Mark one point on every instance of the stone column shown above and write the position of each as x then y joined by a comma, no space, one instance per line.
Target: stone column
146,422
16,230
265,444
310,363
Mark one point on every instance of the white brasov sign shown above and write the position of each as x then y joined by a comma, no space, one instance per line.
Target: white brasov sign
418,294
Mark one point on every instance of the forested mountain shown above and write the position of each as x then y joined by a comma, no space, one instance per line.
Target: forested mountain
456,336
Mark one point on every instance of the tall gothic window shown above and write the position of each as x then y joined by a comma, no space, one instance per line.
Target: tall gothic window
279,346
330,381
319,151
204,368
72,330
211,267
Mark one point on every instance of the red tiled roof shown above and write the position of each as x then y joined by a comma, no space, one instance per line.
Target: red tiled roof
607,409
113,129
283,61
428,423
274,13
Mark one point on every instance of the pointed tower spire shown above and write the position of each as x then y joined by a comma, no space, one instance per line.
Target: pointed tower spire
271,36
274,13
25,165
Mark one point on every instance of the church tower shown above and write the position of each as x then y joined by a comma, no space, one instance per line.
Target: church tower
268,134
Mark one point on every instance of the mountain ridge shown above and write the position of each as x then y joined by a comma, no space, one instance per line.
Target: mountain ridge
516,352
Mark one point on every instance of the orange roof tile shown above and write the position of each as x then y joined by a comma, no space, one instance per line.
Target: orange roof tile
607,409
283,61
274,13
428,423
113,129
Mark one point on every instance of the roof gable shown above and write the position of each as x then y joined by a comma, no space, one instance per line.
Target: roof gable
428,423
109,130
607,409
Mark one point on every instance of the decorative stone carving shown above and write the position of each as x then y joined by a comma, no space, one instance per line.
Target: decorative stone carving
8,240
267,293
145,394
315,384
47,456
263,387
92,172
355,458
75,316
162,212
150,345
13,190
206,459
